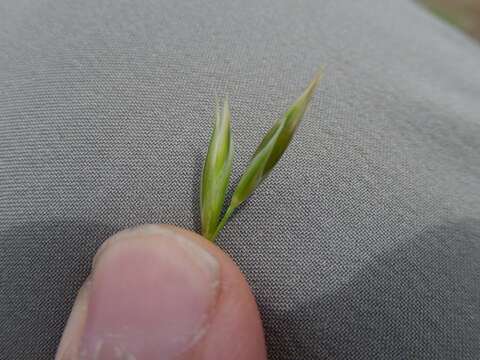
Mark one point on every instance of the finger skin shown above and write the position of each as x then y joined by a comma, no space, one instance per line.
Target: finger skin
232,330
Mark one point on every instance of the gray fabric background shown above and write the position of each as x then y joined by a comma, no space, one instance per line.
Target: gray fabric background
365,241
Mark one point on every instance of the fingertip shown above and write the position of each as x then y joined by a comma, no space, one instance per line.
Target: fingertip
163,292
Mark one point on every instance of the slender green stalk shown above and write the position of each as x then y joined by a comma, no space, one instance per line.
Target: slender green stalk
217,166
222,223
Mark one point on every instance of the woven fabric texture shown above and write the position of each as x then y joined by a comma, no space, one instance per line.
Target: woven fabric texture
364,243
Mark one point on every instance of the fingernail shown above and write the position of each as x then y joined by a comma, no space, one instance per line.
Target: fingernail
152,294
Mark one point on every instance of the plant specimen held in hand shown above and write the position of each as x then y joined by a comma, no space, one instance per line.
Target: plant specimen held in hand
218,162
